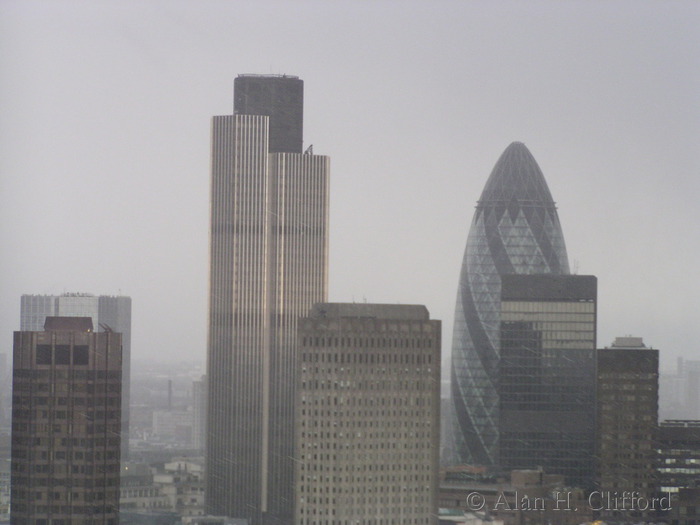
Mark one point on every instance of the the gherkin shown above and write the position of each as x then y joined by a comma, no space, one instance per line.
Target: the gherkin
515,230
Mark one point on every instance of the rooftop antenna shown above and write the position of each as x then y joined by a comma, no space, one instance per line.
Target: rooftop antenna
575,271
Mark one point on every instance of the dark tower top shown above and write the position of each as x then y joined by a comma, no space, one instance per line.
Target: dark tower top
280,97
68,324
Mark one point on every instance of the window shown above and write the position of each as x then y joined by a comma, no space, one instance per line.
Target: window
43,354
62,355
80,355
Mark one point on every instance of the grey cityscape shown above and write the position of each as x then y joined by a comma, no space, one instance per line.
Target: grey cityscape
349,263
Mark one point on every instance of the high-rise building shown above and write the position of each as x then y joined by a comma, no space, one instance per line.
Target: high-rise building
269,253
546,375
679,456
679,391
107,312
627,399
66,424
515,230
368,415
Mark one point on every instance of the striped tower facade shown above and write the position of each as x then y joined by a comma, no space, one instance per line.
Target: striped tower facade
269,252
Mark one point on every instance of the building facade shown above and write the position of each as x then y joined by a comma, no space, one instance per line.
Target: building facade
107,313
199,414
678,455
66,424
268,266
546,375
627,398
515,230
368,415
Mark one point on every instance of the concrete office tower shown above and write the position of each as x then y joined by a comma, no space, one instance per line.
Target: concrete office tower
368,415
269,258
627,392
107,312
546,375
66,424
515,230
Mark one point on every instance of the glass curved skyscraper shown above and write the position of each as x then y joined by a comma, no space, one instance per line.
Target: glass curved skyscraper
515,230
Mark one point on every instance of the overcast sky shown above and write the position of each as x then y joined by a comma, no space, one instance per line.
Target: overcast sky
105,112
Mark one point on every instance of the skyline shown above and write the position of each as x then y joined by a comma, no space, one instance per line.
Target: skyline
605,96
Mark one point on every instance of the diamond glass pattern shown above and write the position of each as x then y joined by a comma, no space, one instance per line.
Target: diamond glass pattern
515,230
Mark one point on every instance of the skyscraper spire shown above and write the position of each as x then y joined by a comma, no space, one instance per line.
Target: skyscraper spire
515,230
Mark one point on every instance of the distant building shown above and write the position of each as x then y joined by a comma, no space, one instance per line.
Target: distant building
678,455
66,424
107,313
177,488
546,375
679,391
627,399
367,415
515,230
173,426
138,494
269,259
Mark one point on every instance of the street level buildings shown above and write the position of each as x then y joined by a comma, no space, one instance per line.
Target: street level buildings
107,313
66,424
628,407
368,404
515,230
268,266
546,375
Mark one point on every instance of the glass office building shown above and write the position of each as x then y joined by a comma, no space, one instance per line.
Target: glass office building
546,373
515,230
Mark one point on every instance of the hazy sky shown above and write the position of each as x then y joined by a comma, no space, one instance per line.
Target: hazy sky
105,114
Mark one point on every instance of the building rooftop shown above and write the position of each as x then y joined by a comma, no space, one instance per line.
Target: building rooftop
254,75
68,324
628,342
408,312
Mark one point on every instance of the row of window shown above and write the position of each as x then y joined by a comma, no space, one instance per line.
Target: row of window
364,414
367,385
56,509
96,401
313,398
66,387
63,468
367,485
58,428
83,443
367,357
387,442
64,455
61,355
81,374
377,521
90,415
77,482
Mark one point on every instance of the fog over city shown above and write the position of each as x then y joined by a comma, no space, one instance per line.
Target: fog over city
105,147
